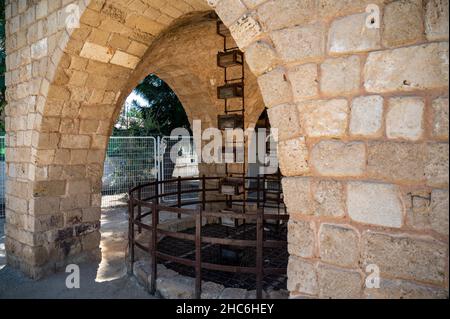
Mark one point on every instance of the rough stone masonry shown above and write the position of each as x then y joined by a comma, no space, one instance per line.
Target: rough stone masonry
362,114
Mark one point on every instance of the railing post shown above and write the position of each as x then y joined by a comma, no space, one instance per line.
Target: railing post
154,243
259,253
204,192
139,210
198,254
131,231
179,194
258,190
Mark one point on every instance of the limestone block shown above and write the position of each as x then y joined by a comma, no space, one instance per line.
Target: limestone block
367,116
350,34
44,206
436,166
280,14
96,52
252,3
302,276
439,211
275,87
297,195
329,198
75,141
49,188
89,17
284,118
178,287
376,204
440,118
338,283
339,245
293,155
304,80
340,76
91,214
245,31
427,68
335,158
436,19
406,257
79,187
333,8
301,238
137,49
260,57
39,49
396,161
301,43
402,22
91,241
75,201
230,10
124,59
404,118
324,118
402,289
142,271
424,214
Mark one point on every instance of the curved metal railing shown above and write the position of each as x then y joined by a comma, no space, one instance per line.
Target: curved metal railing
149,196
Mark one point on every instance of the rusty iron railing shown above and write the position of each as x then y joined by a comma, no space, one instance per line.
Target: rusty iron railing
153,203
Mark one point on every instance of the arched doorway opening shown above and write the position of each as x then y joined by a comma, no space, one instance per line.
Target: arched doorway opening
230,257
185,73
136,154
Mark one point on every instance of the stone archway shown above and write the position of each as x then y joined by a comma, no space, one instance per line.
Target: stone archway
362,130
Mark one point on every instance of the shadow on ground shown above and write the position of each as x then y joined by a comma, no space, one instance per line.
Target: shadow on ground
107,280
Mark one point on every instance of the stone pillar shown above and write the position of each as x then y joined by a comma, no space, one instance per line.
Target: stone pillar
362,114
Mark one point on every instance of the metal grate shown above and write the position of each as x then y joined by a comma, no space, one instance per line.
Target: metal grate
243,257
130,161
2,176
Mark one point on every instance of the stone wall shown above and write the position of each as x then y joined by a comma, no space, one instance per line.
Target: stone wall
362,114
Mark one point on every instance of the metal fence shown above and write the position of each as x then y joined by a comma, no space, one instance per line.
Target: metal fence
2,176
131,161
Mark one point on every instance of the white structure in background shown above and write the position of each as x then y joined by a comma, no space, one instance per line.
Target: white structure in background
186,164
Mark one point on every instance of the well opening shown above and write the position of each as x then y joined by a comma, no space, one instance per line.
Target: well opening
203,247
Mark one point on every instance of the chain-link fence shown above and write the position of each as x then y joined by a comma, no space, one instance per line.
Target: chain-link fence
131,161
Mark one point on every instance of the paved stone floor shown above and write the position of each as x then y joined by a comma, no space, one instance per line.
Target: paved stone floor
107,280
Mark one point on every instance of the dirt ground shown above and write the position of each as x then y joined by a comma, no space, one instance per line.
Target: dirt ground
107,280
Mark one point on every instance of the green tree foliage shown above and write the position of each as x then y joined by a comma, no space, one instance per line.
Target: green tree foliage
2,64
163,113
